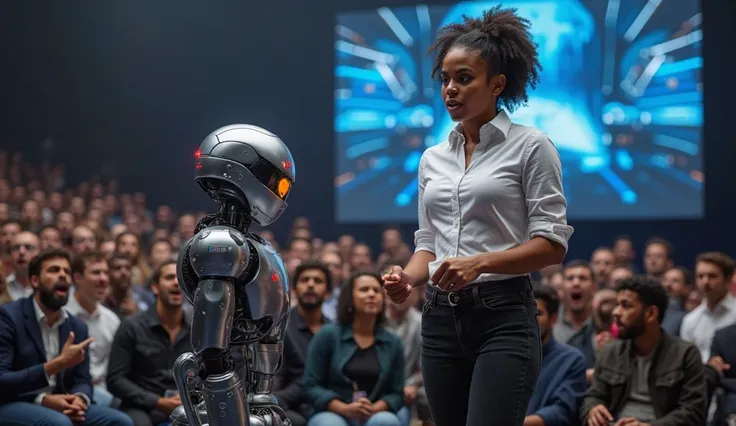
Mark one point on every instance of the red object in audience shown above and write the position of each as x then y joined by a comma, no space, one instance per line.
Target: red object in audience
614,330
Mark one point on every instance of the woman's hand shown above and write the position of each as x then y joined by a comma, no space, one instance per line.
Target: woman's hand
397,284
361,409
456,272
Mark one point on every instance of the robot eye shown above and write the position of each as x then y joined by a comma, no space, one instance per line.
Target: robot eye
283,187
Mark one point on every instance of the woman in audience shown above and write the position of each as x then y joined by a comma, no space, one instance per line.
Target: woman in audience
129,244
354,371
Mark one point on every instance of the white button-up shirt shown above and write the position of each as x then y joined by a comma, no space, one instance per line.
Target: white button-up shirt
511,192
50,337
700,325
102,325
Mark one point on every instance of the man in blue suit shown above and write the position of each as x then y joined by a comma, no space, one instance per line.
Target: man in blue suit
561,385
44,366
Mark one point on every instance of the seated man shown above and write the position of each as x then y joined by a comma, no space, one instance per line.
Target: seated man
721,369
312,282
597,332
561,385
91,281
648,376
44,367
144,350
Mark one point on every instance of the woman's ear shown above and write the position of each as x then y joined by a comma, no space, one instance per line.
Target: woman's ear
499,83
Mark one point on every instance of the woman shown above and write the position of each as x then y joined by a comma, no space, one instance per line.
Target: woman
129,244
491,211
354,371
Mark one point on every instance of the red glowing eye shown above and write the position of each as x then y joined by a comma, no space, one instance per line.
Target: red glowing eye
275,277
197,154
286,164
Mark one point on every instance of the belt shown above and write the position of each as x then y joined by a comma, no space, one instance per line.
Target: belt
471,294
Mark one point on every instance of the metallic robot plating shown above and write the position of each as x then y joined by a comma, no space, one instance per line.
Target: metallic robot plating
236,282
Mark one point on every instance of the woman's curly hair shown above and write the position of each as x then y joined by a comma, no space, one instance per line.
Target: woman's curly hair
502,38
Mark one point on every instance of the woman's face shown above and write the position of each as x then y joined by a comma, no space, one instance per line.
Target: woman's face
367,295
466,90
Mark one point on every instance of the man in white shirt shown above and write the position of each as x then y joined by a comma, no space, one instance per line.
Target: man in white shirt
92,280
713,273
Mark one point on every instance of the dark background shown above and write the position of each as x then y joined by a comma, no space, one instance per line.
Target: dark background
130,88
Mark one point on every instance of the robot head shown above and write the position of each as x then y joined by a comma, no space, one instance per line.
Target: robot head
249,166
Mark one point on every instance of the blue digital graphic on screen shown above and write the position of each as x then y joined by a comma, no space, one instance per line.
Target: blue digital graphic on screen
620,96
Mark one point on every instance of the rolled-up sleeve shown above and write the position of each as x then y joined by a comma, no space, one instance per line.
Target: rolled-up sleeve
424,237
545,198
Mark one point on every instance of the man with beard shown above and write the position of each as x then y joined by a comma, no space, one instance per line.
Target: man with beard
144,350
578,289
44,367
561,385
92,283
312,282
648,377
24,246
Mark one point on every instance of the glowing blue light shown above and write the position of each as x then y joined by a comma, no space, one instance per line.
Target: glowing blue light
411,164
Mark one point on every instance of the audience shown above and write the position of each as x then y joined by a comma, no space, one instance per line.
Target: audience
647,376
44,365
355,368
122,264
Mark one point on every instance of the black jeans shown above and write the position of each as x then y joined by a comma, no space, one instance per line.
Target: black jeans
481,353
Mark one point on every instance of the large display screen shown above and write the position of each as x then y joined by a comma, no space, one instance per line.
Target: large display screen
620,96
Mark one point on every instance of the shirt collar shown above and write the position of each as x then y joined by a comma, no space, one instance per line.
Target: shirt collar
381,334
153,319
296,319
728,303
77,310
41,316
500,125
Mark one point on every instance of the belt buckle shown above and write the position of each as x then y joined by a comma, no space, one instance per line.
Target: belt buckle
453,299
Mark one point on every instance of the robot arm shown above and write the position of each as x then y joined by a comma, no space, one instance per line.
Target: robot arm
236,282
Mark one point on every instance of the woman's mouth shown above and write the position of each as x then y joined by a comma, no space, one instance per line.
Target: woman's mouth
453,105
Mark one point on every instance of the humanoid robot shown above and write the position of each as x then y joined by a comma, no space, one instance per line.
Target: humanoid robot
236,282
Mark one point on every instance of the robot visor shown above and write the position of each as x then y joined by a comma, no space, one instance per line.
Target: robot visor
272,178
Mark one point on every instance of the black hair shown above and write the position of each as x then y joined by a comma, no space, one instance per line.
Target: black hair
35,265
345,311
311,265
578,263
502,38
549,296
650,292
156,277
687,275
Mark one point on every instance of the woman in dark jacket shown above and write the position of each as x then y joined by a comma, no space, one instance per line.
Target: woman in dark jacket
354,370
